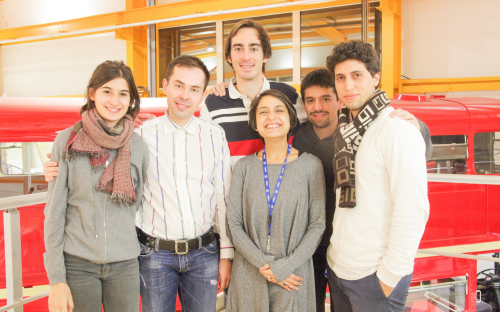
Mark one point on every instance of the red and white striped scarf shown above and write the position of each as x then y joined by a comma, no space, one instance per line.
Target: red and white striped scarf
88,138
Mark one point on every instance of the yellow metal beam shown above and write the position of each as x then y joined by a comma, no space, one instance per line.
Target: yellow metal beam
135,4
137,46
354,30
391,46
129,16
255,13
450,84
328,32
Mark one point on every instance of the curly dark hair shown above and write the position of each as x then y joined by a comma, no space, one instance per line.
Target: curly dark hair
354,50
317,78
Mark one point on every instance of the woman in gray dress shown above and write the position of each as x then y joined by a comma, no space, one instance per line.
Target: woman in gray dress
275,217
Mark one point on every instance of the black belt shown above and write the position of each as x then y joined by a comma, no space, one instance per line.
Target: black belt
179,247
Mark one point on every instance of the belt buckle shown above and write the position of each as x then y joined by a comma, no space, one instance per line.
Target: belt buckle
185,242
157,244
153,242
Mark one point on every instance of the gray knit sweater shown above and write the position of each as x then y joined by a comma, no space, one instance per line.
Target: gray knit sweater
298,223
85,222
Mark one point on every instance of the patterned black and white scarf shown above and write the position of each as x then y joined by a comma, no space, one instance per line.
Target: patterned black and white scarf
347,139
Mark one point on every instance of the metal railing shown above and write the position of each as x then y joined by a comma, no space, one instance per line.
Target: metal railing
13,259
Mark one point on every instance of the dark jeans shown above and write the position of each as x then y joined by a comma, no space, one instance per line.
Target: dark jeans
366,294
194,275
320,264
112,286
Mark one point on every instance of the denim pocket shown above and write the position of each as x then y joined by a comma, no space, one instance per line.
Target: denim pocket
378,286
146,251
211,248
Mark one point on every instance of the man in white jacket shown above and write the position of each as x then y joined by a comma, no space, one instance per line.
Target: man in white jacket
381,184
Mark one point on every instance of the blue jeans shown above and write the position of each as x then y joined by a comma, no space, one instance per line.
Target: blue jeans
195,275
366,294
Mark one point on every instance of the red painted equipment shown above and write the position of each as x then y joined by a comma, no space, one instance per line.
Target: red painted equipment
461,214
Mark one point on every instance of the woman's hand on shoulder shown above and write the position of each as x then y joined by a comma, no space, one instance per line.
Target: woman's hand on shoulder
60,298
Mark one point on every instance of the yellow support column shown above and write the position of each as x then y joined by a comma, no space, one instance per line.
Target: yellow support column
391,46
137,52
137,46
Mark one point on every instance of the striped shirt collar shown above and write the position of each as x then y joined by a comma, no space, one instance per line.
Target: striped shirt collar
235,94
170,126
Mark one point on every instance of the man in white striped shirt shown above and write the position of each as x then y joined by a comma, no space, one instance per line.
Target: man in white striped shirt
185,195
184,198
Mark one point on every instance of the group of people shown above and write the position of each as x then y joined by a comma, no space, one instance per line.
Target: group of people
242,198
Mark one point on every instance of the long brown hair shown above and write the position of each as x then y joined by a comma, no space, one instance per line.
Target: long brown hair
106,72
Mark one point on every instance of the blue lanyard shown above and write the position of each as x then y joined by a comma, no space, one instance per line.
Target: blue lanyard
272,201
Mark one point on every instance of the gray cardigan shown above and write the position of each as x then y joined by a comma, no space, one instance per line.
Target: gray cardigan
298,223
85,222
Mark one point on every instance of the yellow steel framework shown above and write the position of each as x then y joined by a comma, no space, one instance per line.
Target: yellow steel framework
143,14
137,45
136,37
450,84
391,45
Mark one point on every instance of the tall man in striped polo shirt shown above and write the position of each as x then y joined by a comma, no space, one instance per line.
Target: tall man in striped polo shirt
248,48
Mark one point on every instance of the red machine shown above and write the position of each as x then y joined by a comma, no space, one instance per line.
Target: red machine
465,217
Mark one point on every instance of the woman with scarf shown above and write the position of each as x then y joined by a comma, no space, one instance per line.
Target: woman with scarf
275,216
91,243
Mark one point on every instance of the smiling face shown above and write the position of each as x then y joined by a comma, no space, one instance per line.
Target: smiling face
272,118
246,54
112,100
321,106
354,84
184,92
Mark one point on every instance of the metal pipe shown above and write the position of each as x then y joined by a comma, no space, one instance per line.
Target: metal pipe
163,20
219,50
378,32
13,260
457,255
22,200
462,178
365,11
152,55
421,288
24,301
